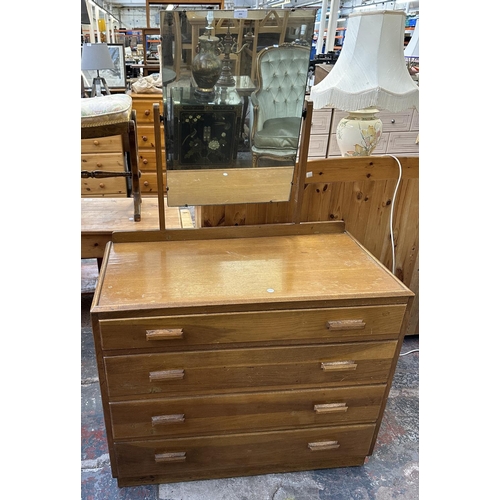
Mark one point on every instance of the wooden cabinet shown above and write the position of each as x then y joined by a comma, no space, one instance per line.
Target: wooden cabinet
103,153
232,351
143,105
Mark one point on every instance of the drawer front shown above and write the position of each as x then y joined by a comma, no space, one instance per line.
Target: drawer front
109,144
251,369
203,415
321,122
391,122
104,161
147,160
396,122
334,150
104,187
318,145
298,326
283,450
144,109
149,183
146,137
403,142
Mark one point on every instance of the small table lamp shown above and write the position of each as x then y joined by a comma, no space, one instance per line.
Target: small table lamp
370,73
95,56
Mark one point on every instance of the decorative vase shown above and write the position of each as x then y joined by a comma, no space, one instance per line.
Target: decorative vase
359,132
206,67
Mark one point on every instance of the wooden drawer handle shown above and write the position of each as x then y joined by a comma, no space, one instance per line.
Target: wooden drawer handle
338,366
161,458
96,143
144,138
147,112
145,161
346,324
146,183
167,419
324,445
331,408
167,334
166,375
101,184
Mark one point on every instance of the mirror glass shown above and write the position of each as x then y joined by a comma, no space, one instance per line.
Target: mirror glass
234,83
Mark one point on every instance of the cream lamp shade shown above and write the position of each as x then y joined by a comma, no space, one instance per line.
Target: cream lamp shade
95,56
370,73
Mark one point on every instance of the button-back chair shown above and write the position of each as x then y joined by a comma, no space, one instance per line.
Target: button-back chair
278,101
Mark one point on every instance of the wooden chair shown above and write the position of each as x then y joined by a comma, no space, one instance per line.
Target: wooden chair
113,115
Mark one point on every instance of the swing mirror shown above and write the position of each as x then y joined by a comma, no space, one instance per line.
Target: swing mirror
234,84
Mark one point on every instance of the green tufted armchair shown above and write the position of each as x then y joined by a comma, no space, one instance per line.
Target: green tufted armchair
277,104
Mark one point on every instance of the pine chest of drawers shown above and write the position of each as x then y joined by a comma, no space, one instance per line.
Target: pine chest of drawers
238,351
103,153
146,143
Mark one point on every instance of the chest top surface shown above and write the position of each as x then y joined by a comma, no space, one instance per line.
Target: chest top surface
241,271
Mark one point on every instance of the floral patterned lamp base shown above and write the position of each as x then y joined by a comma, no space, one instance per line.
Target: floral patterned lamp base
359,132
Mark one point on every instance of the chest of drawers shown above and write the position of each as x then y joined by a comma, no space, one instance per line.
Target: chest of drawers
103,153
143,106
234,351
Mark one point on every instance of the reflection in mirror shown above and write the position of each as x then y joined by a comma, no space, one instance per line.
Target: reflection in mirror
234,85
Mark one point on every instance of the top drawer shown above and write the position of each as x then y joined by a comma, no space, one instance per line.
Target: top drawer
111,144
212,330
144,109
391,122
321,122
396,122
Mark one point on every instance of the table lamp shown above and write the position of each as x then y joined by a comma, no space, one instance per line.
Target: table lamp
370,73
95,56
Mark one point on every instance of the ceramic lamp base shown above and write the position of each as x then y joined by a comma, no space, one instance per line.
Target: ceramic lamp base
359,132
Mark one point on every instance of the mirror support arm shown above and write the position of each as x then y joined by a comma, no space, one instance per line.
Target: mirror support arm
301,165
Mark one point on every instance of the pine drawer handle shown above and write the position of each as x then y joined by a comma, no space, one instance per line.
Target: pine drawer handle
167,419
346,324
324,445
166,375
161,458
331,408
167,334
338,366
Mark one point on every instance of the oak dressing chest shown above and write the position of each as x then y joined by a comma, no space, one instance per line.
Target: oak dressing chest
247,350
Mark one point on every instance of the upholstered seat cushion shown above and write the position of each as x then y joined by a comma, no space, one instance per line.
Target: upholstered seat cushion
278,133
106,110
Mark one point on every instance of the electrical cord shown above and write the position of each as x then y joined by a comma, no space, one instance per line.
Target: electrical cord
409,352
393,246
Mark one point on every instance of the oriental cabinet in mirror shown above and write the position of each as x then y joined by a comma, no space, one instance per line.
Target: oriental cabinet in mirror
234,111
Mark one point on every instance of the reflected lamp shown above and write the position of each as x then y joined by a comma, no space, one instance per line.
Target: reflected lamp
411,53
370,73
95,56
